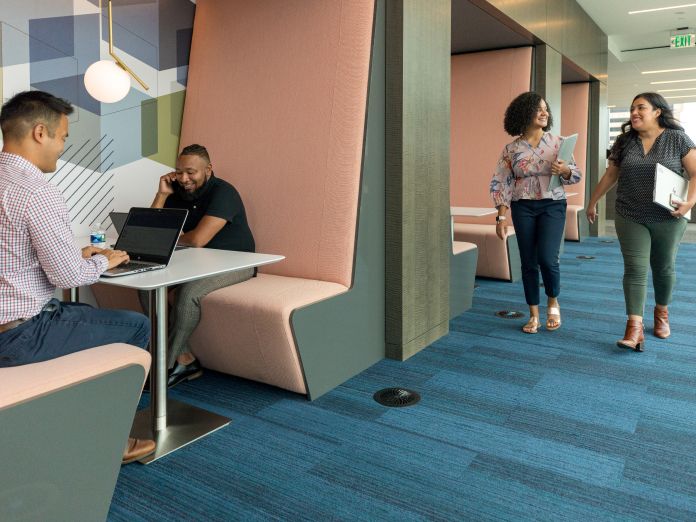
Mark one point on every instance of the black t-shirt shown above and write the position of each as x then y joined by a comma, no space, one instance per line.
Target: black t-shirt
218,199
634,192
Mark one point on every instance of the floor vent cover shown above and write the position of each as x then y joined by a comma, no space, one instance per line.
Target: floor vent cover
396,397
585,257
607,241
509,314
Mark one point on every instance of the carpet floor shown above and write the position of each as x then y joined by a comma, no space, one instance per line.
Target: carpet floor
559,425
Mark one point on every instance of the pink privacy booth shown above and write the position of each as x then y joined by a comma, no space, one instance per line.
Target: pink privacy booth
483,85
63,426
575,100
277,92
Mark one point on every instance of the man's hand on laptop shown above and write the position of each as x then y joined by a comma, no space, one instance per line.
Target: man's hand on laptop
115,257
89,251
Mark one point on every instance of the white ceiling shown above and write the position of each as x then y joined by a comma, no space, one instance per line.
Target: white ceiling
641,31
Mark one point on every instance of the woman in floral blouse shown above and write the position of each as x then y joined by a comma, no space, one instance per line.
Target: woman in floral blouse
522,183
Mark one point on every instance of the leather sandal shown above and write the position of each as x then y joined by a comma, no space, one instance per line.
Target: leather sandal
634,337
661,324
532,325
552,312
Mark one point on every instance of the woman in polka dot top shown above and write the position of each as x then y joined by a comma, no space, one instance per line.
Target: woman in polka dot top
648,233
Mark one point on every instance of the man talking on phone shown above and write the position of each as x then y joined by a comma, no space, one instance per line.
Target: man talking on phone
216,219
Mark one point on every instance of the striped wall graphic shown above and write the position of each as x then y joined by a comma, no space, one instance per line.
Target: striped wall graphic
84,178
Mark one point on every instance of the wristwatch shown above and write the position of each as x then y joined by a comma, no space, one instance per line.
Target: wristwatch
498,219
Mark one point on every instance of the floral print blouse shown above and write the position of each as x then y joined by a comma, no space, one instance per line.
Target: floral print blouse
524,172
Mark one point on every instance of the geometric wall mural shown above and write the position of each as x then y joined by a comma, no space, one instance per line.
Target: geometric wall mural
88,191
115,152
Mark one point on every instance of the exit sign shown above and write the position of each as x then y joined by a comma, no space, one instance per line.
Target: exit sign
678,41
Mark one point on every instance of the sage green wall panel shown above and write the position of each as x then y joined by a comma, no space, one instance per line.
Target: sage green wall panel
548,65
598,129
417,184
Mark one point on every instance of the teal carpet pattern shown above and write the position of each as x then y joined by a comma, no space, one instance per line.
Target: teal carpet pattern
554,426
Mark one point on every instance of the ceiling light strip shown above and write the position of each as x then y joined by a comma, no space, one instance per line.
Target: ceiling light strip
661,9
673,81
675,90
669,70
683,96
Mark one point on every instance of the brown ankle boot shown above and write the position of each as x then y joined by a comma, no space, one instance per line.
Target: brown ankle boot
633,339
661,325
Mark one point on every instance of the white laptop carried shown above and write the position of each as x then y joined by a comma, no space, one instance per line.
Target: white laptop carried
149,236
670,189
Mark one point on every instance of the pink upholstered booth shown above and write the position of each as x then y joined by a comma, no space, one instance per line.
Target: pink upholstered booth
277,91
63,426
483,84
575,99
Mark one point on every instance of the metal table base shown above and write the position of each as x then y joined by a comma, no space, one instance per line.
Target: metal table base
185,424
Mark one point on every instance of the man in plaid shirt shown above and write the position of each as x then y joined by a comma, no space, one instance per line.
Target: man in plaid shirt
37,253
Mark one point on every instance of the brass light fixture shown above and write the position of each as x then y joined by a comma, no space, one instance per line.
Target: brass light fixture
108,81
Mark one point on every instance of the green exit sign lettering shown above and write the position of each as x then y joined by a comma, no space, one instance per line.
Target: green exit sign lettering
678,41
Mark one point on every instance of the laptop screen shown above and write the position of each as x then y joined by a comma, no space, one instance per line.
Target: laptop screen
150,234
118,219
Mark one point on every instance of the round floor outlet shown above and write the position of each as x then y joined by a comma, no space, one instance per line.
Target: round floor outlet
396,397
509,314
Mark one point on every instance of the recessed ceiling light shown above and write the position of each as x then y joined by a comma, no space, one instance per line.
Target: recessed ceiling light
673,81
674,90
669,70
661,9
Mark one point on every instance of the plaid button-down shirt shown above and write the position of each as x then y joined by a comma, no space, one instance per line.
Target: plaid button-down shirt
37,251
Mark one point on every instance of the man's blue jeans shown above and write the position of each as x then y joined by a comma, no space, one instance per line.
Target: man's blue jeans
64,328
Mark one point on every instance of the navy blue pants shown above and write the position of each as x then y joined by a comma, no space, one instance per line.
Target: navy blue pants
539,226
63,328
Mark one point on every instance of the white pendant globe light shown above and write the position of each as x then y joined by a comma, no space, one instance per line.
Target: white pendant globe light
107,82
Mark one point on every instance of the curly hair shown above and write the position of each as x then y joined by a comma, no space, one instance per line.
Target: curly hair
665,120
521,112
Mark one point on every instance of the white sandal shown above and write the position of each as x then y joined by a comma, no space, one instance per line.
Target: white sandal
532,325
553,311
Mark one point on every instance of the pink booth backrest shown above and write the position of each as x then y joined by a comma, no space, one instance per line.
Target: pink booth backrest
483,85
575,99
277,92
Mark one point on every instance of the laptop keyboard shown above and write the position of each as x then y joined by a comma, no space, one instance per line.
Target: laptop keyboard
130,266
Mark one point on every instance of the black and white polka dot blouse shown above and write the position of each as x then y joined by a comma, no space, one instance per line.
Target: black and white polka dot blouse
634,191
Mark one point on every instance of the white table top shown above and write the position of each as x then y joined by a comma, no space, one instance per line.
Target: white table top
191,264
472,211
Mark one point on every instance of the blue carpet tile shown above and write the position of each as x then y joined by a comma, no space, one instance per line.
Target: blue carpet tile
560,425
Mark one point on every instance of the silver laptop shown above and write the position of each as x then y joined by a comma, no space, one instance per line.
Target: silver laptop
149,235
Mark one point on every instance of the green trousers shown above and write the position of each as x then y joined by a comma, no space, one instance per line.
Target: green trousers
653,244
